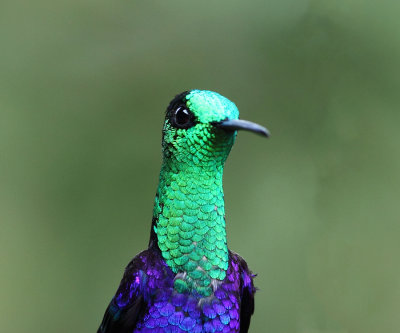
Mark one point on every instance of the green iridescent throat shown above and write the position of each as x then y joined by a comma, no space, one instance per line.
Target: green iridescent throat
189,208
190,215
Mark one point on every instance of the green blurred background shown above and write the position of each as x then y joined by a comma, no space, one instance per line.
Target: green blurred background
314,210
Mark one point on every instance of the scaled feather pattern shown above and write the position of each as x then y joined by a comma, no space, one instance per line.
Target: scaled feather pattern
188,280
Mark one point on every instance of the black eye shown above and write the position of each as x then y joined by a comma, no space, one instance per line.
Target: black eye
182,118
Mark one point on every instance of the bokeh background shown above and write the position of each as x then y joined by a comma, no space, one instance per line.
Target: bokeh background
314,210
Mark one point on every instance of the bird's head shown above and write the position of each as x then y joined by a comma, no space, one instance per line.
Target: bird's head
200,128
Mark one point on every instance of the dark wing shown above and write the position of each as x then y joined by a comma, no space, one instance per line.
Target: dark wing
246,309
247,291
116,320
128,305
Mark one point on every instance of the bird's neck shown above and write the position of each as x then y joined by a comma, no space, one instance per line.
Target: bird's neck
189,222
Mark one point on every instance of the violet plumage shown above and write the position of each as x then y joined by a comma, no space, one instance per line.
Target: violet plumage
188,280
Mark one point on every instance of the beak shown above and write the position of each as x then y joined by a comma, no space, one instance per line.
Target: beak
238,124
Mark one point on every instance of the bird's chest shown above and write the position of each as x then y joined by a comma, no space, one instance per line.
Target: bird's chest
171,311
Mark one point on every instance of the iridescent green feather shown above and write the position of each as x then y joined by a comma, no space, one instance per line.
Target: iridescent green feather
189,207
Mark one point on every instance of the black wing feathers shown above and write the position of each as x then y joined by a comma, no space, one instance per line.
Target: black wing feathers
247,293
124,319
246,310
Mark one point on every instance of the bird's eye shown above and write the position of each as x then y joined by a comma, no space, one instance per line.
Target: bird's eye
182,118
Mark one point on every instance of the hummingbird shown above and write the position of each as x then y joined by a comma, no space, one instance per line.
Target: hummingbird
188,280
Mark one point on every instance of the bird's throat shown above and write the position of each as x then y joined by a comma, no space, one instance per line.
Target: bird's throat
190,225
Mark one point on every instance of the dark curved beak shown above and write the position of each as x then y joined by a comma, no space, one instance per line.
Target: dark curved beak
238,124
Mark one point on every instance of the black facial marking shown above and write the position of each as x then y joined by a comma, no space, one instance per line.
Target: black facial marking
179,114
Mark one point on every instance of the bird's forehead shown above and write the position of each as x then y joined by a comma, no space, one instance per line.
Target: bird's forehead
210,106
